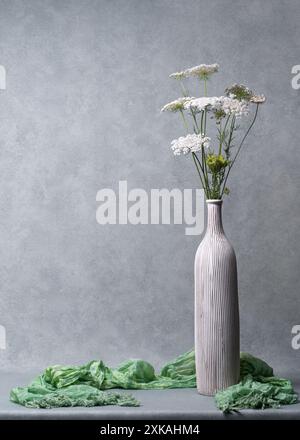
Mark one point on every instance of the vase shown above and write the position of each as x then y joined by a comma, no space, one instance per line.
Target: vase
217,334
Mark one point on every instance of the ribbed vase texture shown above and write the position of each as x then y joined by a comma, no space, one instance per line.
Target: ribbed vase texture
217,334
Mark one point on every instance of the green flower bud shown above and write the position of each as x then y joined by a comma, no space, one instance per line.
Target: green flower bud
216,162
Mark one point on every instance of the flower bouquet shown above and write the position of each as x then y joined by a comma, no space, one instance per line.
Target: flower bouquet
213,163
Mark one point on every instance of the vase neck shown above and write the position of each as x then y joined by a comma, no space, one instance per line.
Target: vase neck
214,216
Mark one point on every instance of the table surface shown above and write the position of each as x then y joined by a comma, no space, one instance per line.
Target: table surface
180,404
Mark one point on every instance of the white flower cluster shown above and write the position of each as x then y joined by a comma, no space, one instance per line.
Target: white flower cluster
202,71
177,105
258,99
190,143
239,91
200,104
232,106
225,104
178,75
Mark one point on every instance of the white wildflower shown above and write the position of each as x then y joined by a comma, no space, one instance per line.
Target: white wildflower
200,104
189,144
177,105
223,104
203,71
178,75
232,106
258,99
239,91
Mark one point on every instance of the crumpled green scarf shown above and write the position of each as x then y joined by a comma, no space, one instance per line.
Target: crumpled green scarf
86,385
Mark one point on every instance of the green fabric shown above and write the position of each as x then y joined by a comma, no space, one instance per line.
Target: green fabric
256,393
38,395
258,388
250,365
87,385
84,385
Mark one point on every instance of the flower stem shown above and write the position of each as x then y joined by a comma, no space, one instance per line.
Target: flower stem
184,90
197,164
221,140
196,127
184,121
239,149
205,94
224,133
205,168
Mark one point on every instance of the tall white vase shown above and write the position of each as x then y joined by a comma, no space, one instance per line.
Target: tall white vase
217,334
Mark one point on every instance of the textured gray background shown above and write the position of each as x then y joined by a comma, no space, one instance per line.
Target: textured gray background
85,82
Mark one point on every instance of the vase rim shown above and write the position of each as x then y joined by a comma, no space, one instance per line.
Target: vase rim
217,201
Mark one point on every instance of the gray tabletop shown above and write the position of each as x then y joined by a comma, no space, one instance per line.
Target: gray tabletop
181,404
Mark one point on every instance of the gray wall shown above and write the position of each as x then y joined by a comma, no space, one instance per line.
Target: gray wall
85,82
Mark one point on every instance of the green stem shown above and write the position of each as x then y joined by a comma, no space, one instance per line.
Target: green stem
239,149
204,167
202,115
226,123
197,164
221,134
184,90
200,164
225,127
205,94
184,121
196,127
230,135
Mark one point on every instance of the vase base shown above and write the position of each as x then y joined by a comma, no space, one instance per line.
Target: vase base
206,393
